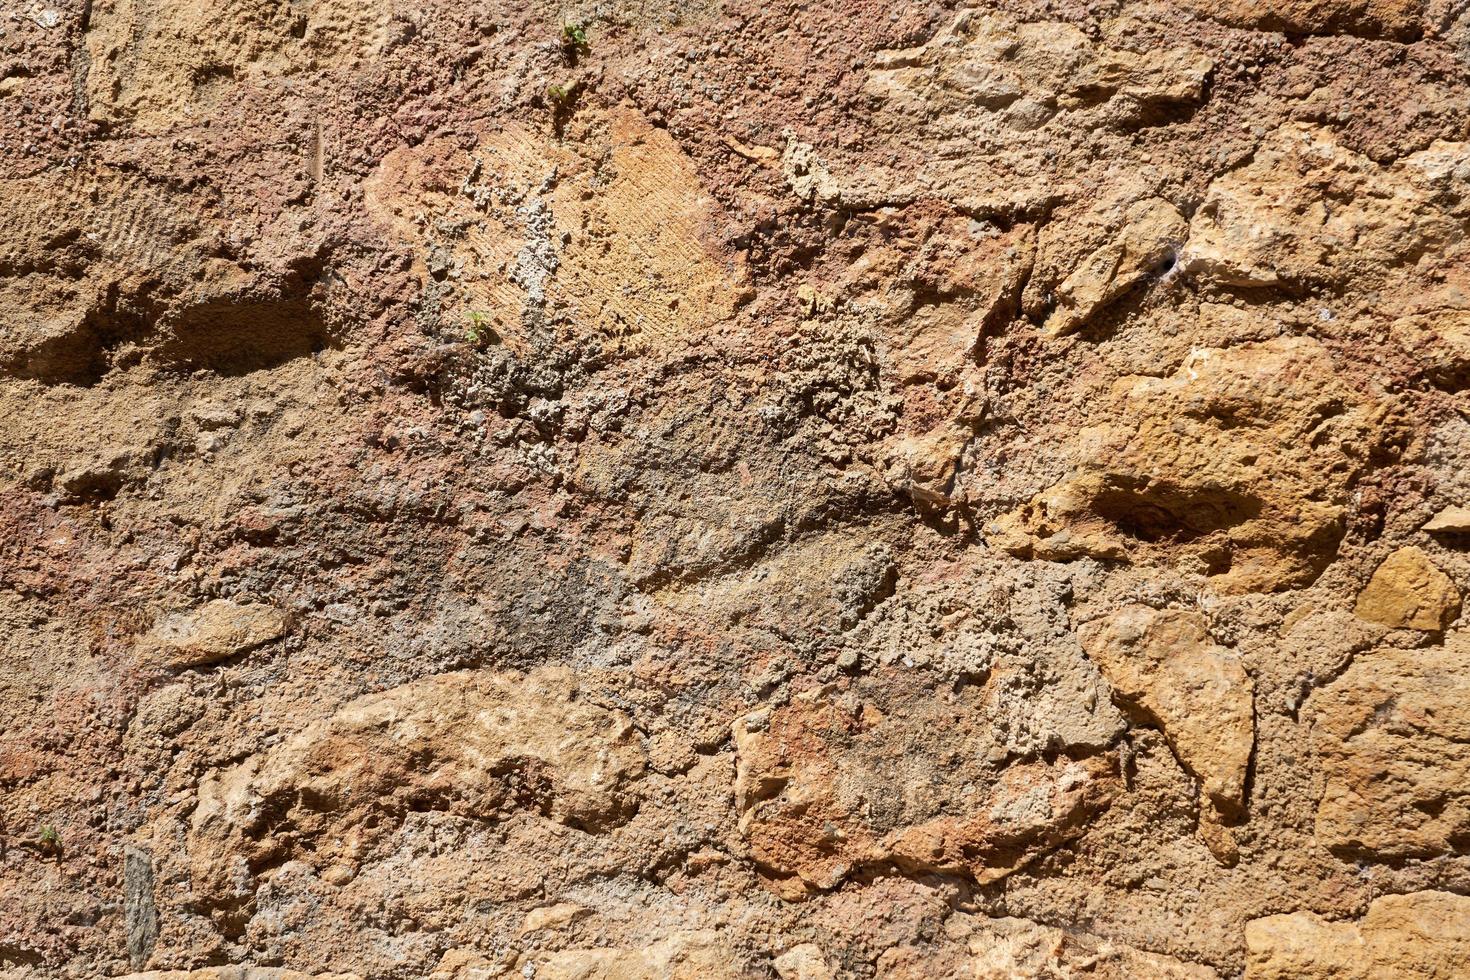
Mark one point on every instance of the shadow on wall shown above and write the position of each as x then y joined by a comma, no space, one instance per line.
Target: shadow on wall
232,338
228,336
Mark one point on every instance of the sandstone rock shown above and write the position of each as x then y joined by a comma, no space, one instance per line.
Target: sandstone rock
1451,520
1041,695
156,63
1146,243
1399,19
1440,343
824,584
683,956
1243,458
621,232
479,745
608,373
468,964
924,466
238,973
153,289
217,630
1005,88
1006,948
670,752
937,284
1408,591
1391,736
1163,666
802,962
1420,936
1002,87
553,916
815,780
1275,221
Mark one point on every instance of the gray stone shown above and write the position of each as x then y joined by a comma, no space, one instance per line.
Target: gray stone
141,914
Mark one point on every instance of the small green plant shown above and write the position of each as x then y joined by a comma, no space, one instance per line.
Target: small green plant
561,95
478,331
50,839
574,37
562,99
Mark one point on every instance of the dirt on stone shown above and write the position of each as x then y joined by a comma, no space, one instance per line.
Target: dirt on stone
705,488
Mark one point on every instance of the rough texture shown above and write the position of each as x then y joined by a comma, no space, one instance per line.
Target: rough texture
1419,936
1242,460
1163,666
712,488
847,777
1391,732
1002,948
214,631
1409,591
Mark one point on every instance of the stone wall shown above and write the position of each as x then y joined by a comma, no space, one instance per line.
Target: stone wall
734,489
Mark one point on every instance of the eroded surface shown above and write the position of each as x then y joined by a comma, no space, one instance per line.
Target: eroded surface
813,491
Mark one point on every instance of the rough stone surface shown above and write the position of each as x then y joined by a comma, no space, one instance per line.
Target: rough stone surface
1451,520
713,488
478,747
1400,19
1242,459
238,973
802,962
846,778
1391,733
1419,936
1003,948
1163,666
1408,590
214,631
141,910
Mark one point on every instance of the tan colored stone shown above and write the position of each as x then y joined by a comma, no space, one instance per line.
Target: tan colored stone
1420,936
937,284
1408,591
671,752
1282,218
1007,89
468,964
237,973
802,962
1391,734
1451,520
1152,231
1439,342
157,64
924,466
1400,19
621,232
1007,949
1242,460
683,956
473,725
553,916
697,359
480,745
834,782
1164,667
214,631
56,325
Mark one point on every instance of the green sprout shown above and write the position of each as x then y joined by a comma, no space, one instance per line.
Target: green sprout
478,331
574,36
562,98
50,839
560,94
